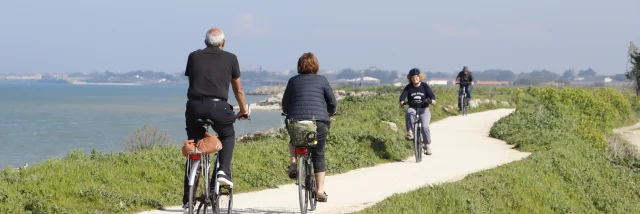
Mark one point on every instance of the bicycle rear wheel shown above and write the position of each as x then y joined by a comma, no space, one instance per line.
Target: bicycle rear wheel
416,141
302,193
194,177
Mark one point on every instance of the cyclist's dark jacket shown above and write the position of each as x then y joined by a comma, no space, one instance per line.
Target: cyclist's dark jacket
465,79
309,96
421,92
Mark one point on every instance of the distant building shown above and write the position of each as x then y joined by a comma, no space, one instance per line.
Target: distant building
358,81
440,81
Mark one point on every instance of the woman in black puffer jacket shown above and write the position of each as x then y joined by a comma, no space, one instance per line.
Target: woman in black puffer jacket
307,96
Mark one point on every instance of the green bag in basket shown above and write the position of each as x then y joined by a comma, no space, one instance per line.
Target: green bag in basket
302,133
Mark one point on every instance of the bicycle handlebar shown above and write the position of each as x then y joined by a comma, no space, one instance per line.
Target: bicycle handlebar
248,115
418,102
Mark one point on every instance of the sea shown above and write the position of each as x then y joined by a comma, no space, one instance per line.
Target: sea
39,121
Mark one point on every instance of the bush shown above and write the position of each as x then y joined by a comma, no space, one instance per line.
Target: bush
147,138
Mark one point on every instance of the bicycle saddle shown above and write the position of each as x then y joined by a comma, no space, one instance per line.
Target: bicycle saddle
202,122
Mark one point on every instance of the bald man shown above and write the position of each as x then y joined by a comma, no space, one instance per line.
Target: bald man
210,71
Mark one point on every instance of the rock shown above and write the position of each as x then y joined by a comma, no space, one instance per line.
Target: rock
473,104
275,131
340,93
392,125
448,108
505,103
361,93
267,90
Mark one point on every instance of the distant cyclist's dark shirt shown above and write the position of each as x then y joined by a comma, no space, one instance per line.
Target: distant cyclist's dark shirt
421,93
465,79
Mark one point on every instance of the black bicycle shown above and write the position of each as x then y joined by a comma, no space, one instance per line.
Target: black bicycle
306,180
463,100
417,127
217,196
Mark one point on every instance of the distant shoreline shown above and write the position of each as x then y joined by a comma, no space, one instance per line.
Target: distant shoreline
100,83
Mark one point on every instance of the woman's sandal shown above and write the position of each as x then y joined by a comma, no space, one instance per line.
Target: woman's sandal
322,197
292,171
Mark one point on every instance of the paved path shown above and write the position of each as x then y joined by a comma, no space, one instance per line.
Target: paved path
460,146
631,134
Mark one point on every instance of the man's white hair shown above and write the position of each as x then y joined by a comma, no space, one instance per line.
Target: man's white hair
215,37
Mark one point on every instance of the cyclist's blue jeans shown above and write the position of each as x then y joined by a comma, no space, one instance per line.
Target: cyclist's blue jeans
425,115
464,87
468,88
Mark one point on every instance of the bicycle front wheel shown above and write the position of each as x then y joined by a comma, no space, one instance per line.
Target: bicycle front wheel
302,197
312,188
466,106
416,141
225,198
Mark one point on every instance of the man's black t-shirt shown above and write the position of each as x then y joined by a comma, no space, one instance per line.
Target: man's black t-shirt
210,71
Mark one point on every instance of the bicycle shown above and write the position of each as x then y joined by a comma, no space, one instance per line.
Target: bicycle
463,100
417,129
220,197
199,165
305,178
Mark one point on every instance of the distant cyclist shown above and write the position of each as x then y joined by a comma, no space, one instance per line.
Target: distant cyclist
465,78
418,90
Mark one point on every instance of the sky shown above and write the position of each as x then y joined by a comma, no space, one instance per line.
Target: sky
67,36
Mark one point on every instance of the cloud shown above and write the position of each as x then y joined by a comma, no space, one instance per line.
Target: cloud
247,25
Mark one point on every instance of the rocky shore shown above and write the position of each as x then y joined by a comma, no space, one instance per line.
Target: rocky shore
267,90
276,92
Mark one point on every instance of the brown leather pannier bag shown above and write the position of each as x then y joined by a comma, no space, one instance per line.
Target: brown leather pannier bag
209,144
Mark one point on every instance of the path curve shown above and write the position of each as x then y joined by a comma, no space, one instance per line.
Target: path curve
631,134
461,146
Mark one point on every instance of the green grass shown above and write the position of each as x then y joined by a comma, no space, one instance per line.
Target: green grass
152,178
577,165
